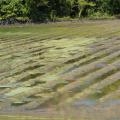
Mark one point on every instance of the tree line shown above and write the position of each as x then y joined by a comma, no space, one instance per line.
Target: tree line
40,10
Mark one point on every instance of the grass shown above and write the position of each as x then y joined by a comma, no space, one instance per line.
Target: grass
54,65
28,118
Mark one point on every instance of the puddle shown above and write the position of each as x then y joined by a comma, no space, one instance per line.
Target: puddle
87,102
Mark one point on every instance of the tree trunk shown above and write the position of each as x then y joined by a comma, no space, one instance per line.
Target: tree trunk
80,12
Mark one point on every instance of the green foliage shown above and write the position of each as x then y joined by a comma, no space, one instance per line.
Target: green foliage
53,15
12,8
82,4
99,15
40,10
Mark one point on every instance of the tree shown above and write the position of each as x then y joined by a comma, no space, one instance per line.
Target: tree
12,8
114,6
82,4
71,5
38,9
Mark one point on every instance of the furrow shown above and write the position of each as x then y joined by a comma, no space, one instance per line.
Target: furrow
80,84
98,90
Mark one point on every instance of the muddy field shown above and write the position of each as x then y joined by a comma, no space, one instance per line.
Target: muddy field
66,70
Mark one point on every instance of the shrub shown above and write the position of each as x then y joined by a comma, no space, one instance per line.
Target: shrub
100,15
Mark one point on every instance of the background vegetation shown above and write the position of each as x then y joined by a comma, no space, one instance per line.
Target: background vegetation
43,10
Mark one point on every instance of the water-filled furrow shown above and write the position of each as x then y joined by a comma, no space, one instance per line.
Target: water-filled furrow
20,40
78,86
106,90
74,60
92,58
58,85
30,76
90,91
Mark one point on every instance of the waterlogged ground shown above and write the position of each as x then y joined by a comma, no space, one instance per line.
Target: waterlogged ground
62,70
